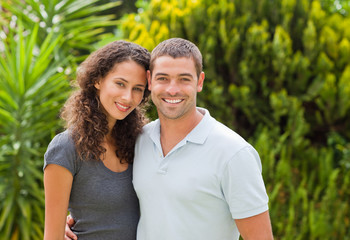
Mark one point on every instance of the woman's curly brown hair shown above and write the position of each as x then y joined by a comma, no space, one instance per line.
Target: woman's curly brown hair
83,111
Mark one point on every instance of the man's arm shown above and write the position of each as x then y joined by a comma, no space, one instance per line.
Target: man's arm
68,232
257,227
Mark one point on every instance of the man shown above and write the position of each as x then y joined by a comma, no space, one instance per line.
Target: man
194,177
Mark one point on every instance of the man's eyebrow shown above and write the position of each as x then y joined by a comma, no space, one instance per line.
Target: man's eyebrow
162,74
185,74
181,74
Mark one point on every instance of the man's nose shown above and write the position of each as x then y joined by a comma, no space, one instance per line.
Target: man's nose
173,87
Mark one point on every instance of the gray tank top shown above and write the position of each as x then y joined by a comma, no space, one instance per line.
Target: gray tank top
103,203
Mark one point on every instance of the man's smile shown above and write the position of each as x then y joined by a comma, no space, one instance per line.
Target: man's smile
172,101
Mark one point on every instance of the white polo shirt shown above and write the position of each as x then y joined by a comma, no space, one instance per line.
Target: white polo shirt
207,180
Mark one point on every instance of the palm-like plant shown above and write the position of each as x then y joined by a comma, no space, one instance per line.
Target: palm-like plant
82,22
33,88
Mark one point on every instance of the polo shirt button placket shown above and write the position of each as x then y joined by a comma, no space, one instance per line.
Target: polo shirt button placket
163,166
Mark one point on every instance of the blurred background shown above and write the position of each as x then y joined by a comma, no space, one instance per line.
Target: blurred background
277,72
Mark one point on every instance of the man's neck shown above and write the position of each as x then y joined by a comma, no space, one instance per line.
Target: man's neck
172,131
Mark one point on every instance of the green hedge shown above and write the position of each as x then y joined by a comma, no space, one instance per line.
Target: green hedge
278,73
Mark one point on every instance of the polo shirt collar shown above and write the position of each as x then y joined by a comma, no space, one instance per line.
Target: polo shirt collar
198,135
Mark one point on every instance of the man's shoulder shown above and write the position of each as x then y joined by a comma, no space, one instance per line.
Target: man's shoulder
144,137
149,126
219,132
148,129
225,137
223,131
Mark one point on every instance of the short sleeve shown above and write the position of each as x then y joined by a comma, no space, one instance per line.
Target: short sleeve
61,151
243,185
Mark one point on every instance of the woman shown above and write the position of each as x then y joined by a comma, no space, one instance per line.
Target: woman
87,168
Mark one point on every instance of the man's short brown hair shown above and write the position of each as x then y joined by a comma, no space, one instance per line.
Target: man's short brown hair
176,48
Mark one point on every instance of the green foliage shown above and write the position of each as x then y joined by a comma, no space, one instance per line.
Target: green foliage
34,85
278,72
81,22
38,40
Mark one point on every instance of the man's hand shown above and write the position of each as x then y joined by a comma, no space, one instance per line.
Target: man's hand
69,235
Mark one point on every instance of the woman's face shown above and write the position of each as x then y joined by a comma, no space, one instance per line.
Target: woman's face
121,91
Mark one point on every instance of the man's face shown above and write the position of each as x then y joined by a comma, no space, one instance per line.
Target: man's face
174,85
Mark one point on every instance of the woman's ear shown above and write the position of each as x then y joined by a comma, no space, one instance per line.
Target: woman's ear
97,85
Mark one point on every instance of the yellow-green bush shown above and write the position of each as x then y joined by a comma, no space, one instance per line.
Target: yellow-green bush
277,72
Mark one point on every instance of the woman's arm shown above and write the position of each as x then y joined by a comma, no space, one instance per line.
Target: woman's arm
58,184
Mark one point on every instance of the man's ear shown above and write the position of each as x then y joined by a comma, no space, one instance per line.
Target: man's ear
149,77
200,82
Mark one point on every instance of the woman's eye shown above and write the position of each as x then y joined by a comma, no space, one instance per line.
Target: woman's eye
138,89
120,84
